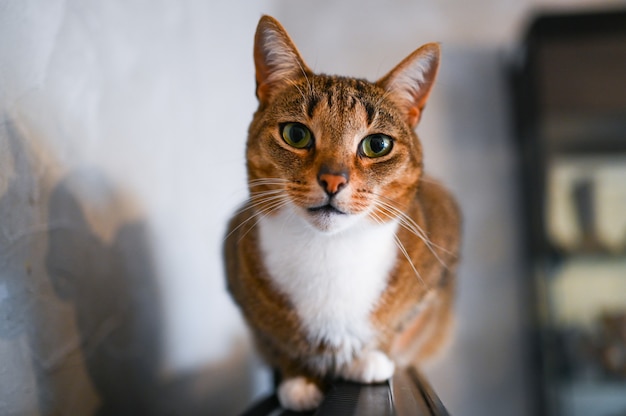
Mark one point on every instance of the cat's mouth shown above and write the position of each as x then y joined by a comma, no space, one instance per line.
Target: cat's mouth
325,209
329,219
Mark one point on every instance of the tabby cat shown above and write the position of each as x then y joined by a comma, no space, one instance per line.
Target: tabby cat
343,258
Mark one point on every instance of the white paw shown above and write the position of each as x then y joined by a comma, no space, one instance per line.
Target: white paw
371,367
299,394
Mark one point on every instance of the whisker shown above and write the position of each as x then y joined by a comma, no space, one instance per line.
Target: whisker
258,218
273,202
408,258
410,225
260,194
273,199
279,202
267,181
410,220
402,250
261,182
257,200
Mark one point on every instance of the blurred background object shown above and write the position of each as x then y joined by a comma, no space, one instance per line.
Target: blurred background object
122,135
570,96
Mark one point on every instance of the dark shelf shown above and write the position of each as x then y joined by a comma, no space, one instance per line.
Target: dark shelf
406,394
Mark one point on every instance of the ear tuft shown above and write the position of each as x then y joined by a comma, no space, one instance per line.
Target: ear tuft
411,81
276,58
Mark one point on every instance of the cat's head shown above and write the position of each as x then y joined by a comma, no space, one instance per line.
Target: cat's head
334,150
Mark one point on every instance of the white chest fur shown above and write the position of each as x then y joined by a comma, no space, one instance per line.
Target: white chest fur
333,281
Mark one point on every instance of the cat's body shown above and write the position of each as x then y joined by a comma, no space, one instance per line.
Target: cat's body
343,259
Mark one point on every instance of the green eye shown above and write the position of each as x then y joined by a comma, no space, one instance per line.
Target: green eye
297,135
376,145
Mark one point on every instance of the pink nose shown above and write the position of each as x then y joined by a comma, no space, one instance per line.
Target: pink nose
332,183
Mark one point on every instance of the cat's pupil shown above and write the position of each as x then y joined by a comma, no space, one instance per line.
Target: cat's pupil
377,144
297,134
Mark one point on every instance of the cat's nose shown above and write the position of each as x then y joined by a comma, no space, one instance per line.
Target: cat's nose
332,182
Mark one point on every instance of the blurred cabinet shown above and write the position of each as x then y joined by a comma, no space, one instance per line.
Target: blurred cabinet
569,90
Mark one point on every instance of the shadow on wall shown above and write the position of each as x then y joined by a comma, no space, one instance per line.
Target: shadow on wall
118,312
88,306
112,289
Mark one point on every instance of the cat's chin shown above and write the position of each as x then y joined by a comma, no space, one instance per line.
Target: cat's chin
329,220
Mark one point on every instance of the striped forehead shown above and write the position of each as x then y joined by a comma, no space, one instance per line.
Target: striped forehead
344,97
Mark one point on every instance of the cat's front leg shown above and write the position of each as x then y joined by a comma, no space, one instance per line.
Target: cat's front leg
372,366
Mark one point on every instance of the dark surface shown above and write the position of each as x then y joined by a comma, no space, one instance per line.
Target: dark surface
408,393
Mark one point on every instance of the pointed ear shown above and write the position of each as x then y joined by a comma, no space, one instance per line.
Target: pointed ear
276,59
410,82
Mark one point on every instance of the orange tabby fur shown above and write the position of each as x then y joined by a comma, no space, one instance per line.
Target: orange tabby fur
414,310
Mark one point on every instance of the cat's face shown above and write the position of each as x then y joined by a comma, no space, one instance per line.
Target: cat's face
334,151
337,150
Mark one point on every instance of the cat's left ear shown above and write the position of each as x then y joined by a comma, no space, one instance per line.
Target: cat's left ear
410,83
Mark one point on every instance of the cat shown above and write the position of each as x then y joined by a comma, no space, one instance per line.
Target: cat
343,259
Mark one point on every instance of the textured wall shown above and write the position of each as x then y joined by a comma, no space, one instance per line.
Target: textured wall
122,128
122,125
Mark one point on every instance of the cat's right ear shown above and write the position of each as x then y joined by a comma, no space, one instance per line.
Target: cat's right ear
276,59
